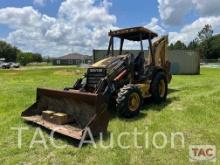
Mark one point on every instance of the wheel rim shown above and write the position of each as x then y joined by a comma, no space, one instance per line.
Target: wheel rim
162,88
134,102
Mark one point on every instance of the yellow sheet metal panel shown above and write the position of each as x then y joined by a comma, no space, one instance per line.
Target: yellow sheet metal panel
145,89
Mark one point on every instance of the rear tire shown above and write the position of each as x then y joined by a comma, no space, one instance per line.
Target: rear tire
129,101
159,88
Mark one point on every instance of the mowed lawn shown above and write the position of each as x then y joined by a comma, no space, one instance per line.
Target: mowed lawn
193,108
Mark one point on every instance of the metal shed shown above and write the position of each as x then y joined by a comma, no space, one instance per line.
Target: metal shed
182,61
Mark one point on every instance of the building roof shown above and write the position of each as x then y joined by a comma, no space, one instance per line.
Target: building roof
133,34
74,56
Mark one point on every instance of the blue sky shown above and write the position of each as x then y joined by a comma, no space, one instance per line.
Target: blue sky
56,27
135,12
128,13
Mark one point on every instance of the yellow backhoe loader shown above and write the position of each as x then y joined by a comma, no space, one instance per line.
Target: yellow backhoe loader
119,80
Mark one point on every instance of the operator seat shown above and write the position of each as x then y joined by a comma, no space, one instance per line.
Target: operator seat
139,66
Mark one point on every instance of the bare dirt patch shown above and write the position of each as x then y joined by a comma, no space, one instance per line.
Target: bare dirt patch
68,72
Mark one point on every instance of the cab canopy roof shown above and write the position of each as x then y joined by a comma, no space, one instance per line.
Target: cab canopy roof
133,34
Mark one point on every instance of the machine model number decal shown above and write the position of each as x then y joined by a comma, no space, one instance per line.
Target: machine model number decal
96,70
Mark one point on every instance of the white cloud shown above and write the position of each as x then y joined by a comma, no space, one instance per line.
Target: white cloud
172,12
207,7
24,18
80,26
189,32
154,26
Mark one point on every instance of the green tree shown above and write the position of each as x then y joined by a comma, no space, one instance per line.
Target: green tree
8,51
13,54
178,45
214,47
171,46
204,43
205,33
37,57
47,59
193,45
24,58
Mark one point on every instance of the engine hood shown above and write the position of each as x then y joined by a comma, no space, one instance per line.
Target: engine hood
109,61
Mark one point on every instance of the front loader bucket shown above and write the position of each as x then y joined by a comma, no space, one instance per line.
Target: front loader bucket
87,110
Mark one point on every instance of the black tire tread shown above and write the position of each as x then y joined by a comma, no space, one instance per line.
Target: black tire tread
154,88
122,101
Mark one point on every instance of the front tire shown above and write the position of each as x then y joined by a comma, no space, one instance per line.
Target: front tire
159,88
129,101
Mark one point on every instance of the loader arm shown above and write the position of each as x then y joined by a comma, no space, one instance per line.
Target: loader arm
160,54
159,49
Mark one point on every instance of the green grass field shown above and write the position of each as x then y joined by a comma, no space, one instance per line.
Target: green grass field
193,108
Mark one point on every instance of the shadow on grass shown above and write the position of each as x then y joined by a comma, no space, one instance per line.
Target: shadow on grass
172,91
140,116
149,104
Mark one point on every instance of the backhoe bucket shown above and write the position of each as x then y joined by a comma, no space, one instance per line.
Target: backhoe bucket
84,110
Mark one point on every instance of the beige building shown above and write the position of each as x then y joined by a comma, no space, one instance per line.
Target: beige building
73,59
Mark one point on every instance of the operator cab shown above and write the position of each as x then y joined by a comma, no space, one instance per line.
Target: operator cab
138,34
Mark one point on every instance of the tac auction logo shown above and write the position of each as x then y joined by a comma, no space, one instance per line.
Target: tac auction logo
202,153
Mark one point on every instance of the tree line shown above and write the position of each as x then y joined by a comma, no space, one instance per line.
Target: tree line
205,43
13,54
